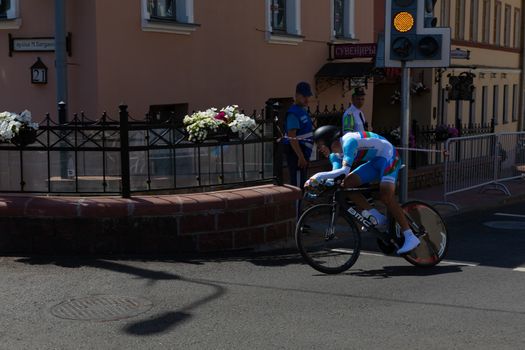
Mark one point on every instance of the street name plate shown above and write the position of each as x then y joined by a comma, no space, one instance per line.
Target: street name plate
459,54
34,44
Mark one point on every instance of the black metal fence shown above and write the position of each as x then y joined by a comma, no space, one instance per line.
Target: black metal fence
426,137
433,137
128,156
125,156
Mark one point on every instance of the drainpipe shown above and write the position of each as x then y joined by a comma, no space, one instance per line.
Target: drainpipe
60,52
521,117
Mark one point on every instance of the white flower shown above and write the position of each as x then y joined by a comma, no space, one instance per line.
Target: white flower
11,123
199,124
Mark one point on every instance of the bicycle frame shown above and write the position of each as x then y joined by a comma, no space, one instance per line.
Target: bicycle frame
351,213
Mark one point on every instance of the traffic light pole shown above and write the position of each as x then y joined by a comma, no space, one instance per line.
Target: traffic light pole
405,129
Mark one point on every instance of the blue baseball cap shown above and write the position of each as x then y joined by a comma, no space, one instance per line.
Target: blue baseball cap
304,89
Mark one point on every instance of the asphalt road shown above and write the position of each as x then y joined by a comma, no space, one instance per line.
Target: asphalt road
475,299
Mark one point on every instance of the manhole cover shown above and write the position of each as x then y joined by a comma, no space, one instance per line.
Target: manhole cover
101,308
506,225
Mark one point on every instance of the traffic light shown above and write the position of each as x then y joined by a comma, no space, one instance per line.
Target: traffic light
429,45
411,35
430,20
403,30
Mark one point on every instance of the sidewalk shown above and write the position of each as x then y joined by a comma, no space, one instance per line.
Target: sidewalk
471,200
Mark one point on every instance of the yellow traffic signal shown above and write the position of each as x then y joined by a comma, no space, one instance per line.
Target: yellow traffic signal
403,22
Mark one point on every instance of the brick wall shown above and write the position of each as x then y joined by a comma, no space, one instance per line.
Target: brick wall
216,221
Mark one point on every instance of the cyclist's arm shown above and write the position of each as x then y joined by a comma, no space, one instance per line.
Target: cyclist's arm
331,174
336,160
349,151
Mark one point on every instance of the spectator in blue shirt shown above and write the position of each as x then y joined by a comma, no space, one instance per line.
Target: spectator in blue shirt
298,129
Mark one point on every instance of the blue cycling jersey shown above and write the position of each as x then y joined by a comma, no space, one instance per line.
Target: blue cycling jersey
382,161
365,146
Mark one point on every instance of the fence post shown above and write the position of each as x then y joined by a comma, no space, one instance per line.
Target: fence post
62,119
124,151
272,111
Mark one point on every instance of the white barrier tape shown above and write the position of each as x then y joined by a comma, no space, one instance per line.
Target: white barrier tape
422,150
296,138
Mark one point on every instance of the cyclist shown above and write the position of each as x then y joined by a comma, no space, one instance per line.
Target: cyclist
382,163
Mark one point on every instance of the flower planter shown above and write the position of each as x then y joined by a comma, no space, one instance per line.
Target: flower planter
222,134
25,136
220,126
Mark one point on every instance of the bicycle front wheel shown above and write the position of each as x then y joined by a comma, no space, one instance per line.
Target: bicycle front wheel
429,227
327,240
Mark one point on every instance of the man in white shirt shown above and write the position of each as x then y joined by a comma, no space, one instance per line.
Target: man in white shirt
354,118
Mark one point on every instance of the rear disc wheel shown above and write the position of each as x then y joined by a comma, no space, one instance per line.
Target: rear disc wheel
430,228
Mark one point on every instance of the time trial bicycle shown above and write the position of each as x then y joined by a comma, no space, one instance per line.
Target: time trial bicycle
328,235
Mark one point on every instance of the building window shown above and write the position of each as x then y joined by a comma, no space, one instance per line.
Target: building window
505,104
495,104
171,16
497,23
486,21
514,102
283,25
459,20
5,5
484,101
445,13
278,11
506,26
474,20
517,28
343,19
9,17
165,9
339,18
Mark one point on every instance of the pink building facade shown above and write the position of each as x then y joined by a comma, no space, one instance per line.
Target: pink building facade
195,52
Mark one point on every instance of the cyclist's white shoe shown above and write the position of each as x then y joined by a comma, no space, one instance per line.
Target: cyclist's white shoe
411,242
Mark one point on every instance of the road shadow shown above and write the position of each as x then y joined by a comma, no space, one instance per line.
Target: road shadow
276,258
404,271
470,240
160,323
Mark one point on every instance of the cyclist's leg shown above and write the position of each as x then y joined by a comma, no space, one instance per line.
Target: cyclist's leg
363,174
387,191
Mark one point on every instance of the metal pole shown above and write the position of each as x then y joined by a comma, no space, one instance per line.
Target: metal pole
272,111
405,129
60,51
124,151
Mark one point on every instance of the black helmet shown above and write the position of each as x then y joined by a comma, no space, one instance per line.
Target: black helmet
327,134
